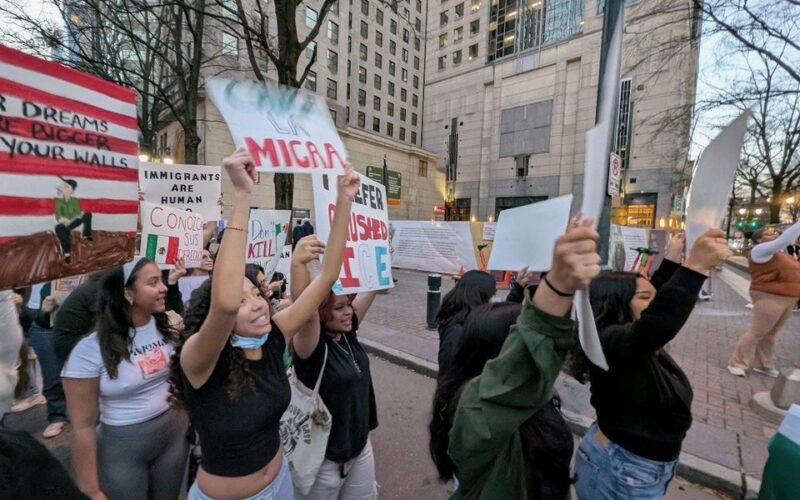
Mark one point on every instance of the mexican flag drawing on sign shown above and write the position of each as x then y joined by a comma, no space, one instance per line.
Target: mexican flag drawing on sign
162,249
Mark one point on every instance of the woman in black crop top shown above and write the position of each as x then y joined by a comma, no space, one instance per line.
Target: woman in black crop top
348,471
643,401
230,372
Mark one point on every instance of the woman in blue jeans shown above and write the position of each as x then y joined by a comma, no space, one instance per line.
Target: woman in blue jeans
40,337
643,401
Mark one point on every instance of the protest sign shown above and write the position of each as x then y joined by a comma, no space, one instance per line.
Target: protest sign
712,180
489,230
193,188
169,234
266,237
526,235
439,247
62,287
285,263
286,130
68,159
366,265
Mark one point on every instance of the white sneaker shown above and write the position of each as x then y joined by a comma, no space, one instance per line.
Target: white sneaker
735,370
704,296
53,430
769,372
28,403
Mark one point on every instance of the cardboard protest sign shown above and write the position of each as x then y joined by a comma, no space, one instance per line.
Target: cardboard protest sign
367,265
439,247
266,237
169,234
526,235
287,130
193,188
68,160
712,180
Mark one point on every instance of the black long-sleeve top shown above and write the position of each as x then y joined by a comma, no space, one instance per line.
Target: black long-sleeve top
644,400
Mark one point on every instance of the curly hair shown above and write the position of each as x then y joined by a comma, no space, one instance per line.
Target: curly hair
114,318
239,374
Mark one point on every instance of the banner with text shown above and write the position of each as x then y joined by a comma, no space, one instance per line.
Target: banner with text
68,159
367,264
440,247
287,130
169,234
266,237
193,188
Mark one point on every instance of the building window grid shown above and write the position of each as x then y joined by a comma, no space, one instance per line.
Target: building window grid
363,54
475,27
311,81
390,108
473,51
362,97
333,62
413,137
389,129
379,16
362,119
377,81
376,103
622,140
392,68
379,39
376,124
332,90
443,18
311,17
364,30
459,11
422,169
517,27
458,34
457,57
378,60
333,32
362,74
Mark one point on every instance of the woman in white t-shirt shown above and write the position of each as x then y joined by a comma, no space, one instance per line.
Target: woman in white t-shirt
139,449
196,277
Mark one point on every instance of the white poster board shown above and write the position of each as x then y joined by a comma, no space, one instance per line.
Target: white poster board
526,235
169,234
286,130
712,180
266,237
489,230
366,265
285,263
193,188
439,247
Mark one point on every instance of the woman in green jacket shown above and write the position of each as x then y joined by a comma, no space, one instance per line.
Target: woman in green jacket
485,444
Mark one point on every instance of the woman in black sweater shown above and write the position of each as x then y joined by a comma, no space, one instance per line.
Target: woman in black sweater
643,401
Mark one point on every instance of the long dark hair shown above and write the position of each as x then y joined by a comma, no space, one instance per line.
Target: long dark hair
239,374
473,290
485,331
610,294
114,318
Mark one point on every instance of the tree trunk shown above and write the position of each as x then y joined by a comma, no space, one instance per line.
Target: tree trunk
284,191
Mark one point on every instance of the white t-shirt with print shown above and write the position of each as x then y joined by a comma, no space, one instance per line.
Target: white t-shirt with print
141,389
189,284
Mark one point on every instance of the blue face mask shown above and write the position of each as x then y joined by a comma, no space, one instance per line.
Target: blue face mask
248,342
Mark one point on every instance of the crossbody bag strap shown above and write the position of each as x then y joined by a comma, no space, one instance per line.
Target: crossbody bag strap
321,371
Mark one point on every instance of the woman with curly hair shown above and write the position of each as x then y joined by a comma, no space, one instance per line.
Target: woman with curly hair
139,450
230,374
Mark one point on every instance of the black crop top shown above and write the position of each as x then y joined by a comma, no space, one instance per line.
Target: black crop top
240,437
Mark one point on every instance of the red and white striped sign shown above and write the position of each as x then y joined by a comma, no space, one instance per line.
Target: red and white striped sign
59,125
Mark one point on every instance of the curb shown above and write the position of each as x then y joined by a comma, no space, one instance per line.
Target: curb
690,467
738,266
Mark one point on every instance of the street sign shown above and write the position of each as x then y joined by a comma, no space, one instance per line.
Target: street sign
394,179
614,174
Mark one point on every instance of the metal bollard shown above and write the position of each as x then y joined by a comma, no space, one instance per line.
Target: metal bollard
434,298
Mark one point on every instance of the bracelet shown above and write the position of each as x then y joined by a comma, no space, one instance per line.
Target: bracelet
236,229
556,290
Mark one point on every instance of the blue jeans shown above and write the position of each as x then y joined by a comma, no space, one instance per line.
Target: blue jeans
612,472
41,339
279,489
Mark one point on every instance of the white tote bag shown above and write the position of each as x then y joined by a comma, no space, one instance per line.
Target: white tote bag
305,427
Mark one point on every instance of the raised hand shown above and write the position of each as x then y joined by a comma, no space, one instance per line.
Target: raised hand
676,247
349,183
575,259
525,277
49,305
241,170
178,272
308,248
709,251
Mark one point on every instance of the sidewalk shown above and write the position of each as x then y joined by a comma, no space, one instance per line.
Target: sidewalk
726,448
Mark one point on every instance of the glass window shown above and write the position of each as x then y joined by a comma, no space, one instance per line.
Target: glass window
377,81
393,27
457,57
403,95
348,68
415,100
443,17
442,62
392,47
415,79
362,52
413,118
418,24
406,14
476,5
349,20
364,30
402,114
376,103
378,60
389,129
379,39
474,27
310,48
335,8
379,16
422,169
390,108
348,96
349,44
376,124
473,51
416,62
402,134
405,55
365,7
362,74
406,35
311,81
413,137
417,43
333,61
419,5
459,11
333,31
230,45
331,89
458,34
404,74
443,40
362,119
362,97
392,68
391,88
311,17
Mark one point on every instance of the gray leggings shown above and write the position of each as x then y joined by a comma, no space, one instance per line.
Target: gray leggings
143,461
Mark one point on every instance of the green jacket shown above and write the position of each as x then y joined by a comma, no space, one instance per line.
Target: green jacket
67,209
485,442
